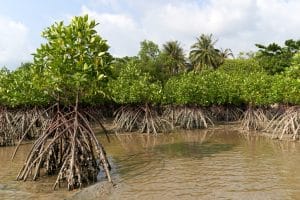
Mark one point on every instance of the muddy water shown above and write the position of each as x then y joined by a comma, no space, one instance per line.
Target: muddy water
213,164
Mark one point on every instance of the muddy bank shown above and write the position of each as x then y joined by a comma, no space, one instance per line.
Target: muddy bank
100,190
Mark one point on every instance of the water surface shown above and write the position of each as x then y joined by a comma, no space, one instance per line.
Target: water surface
201,164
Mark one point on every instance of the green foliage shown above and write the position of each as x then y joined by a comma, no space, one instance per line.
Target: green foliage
120,63
204,89
148,51
18,88
151,61
222,88
174,57
286,89
203,54
225,88
241,66
132,86
4,80
74,59
256,89
294,70
274,58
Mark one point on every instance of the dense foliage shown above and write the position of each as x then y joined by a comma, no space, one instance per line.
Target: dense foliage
18,88
132,86
76,59
221,88
274,58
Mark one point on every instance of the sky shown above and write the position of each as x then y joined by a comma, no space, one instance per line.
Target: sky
236,24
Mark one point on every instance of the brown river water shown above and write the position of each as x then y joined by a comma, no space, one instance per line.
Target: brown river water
203,164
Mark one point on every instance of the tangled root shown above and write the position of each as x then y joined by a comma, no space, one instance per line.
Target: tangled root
17,124
287,123
67,147
144,119
255,119
225,113
188,117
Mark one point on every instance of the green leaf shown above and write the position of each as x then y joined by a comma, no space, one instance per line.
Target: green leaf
85,66
101,54
101,76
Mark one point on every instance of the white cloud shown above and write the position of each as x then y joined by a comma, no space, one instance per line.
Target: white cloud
14,43
125,23
237,24
120,30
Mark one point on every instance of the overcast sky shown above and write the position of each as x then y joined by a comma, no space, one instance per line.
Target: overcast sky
237,24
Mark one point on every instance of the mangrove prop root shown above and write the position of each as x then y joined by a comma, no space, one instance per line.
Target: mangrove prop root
255,119
152,123
21,124
188,117
127,118
144,119
69,148
226,113
287,123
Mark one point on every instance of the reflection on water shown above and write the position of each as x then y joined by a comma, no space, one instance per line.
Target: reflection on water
191,149
12,189
203,164
220,164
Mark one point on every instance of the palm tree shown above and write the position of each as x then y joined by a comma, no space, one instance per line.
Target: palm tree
174,52
203,54
224,54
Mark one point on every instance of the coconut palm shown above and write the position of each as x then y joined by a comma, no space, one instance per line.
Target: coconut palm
224,54
203,53
174,51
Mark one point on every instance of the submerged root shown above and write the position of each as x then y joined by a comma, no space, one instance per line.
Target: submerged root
255,119
188,117
287,123
143,119
68,147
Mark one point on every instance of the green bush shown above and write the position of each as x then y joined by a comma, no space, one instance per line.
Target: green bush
204,89
134,87
241,66
286,90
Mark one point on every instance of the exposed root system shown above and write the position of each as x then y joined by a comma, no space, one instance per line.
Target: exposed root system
188,117
152,123
144,119
255,119
286,124
68,147
7,138
127,119
26,124
93,115
225,113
